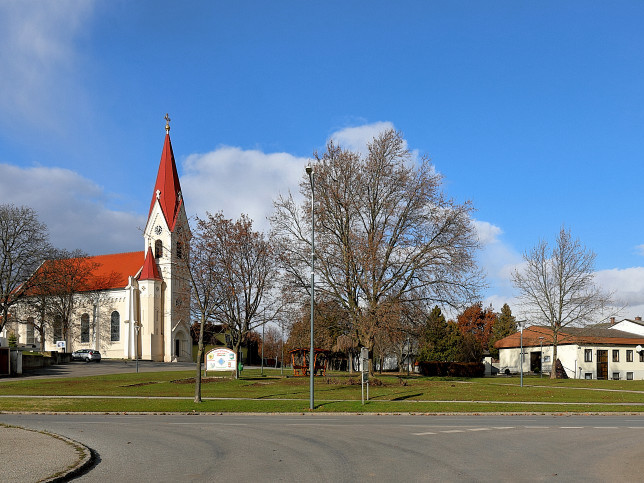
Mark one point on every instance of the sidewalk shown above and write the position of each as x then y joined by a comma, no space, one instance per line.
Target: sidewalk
32,456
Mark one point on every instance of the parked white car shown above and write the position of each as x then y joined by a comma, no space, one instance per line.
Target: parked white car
86,355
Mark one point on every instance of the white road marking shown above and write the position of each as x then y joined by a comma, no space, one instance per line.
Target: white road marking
422,434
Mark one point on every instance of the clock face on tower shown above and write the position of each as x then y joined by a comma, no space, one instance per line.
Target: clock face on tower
158,229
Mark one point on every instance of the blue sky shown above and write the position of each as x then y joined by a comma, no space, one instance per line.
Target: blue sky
534,111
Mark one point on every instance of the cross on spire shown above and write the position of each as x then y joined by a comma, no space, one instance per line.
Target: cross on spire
167,123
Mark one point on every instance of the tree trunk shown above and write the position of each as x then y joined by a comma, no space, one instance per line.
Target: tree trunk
199,357
236,349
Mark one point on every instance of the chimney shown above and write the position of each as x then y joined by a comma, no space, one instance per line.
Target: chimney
612,321
638,319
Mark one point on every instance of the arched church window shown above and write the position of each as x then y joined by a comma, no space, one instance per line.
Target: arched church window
158,249
84,328
30,330
115,327
58,328
179,249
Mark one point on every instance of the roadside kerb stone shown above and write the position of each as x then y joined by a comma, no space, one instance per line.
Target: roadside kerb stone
30,455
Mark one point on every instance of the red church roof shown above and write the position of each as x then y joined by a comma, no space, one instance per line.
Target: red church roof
112,271
167,186
150,270
101,272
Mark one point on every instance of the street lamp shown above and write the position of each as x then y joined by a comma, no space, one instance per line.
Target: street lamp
541,357
310,172
521,326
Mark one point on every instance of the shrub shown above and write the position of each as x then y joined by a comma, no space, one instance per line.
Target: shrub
452,369
12,339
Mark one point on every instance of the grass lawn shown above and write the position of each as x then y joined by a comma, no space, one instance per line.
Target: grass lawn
338,392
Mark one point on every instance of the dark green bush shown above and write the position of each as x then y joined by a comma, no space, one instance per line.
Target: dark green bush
452,369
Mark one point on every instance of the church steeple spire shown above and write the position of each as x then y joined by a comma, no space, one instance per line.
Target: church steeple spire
167,189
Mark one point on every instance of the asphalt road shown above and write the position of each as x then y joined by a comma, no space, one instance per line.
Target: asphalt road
353,447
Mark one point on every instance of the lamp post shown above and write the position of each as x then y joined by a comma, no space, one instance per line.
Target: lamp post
310,172
521,326
263,325
541,357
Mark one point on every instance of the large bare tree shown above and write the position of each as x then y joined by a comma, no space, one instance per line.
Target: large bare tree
557,286
385,233
23,243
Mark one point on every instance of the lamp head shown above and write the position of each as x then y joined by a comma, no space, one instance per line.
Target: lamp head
309,169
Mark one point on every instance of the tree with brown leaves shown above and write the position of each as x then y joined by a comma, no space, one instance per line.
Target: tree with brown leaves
386,235
476,324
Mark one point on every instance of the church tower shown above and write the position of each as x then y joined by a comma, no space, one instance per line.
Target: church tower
164,283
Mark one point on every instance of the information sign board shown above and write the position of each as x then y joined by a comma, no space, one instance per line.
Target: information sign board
221,360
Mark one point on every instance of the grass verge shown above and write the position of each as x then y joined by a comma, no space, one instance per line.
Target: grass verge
339,392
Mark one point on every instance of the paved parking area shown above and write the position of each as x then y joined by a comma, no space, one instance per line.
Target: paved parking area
106,366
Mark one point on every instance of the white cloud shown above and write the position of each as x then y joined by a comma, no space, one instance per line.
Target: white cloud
356,138
487,232
39,83
640,249
238,181
627,285
73,208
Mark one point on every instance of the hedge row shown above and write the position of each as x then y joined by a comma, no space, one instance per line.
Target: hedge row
452,369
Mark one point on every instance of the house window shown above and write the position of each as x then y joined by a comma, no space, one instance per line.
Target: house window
588,375
642,356
115,327
30,331
629,376
629,356
616,376
158,249
615,355
588,355
84,328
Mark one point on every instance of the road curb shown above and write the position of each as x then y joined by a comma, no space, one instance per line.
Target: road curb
86,462
86,456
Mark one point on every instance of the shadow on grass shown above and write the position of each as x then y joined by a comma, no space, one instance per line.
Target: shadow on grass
402,398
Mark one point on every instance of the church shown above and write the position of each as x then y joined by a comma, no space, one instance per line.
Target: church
137,304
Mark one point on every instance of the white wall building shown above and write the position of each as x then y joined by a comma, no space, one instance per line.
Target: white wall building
585,353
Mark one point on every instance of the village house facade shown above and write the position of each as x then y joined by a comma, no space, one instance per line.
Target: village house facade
596,352
137,304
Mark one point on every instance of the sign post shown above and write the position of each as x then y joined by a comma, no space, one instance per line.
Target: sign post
364,365
221,360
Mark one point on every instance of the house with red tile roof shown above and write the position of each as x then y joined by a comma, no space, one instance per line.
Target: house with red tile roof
593,352
132,305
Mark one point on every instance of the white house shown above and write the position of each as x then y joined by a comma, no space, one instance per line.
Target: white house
135,304
585,353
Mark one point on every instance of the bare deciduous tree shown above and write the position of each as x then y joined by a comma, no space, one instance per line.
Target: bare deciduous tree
232,269
23,244
385,235
557,286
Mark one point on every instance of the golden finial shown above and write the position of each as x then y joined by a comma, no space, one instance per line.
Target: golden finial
167,123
